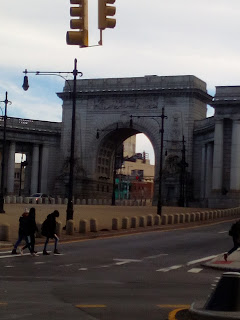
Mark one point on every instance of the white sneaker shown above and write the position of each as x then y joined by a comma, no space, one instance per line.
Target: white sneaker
34,254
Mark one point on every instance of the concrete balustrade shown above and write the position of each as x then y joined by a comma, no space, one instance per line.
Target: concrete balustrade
197,216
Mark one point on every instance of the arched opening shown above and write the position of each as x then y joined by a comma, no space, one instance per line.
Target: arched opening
122,172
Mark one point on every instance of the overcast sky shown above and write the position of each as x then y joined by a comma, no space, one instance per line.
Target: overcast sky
152,37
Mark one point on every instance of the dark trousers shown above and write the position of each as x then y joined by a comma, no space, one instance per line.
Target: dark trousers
27,240
47,240
32,242
236,245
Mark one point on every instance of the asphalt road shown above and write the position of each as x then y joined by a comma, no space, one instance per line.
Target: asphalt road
140,276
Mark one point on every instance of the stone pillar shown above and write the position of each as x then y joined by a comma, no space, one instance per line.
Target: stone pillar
209,163
35,168
218,156
11,168
235,157
44,169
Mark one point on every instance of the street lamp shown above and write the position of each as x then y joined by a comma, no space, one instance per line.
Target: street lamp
162,116
6,101
75,73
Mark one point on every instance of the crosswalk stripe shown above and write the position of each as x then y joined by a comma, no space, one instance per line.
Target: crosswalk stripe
195,270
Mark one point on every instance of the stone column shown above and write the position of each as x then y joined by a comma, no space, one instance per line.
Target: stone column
235,157
44,169
11,168
218,156
35,169
203,172
209,163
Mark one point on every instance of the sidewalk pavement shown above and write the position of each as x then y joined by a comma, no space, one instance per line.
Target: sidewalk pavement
232,264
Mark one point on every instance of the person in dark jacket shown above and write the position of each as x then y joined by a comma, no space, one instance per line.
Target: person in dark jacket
234,232
49,231
32,228
23,232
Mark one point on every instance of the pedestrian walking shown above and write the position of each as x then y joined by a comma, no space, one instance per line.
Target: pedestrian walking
23,232
234,232
32,228
49,231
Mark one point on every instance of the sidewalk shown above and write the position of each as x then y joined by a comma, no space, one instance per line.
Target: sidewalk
233,263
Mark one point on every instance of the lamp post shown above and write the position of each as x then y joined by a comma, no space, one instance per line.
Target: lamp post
162,116
75,73
6,101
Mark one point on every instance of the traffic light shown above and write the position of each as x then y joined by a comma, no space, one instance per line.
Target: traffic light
79,37
104,10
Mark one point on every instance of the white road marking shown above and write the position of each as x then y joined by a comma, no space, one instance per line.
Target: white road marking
170,268
200,260
124,261
9,266
82,269
195,270
156,256
222,231
40,262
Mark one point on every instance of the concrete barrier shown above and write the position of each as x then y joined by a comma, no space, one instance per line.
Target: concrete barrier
4,232
125,223
93,225
59,228
157,220
192,217
176,218
70,227
83,226
133,223
197,216
149,220
181,217
115,224
187,217
142,221
39,232
164,219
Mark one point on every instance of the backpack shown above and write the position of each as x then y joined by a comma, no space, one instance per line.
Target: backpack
44,228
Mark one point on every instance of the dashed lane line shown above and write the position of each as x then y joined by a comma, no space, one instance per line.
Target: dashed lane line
170,268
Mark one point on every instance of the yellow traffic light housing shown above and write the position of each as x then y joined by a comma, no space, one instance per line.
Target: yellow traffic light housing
104,10
78,37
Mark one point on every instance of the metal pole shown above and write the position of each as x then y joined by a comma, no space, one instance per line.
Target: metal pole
114,178
3,157
159,205
70,190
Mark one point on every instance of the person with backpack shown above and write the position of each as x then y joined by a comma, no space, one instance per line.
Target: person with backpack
23,233
32,228
49,231
234,232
